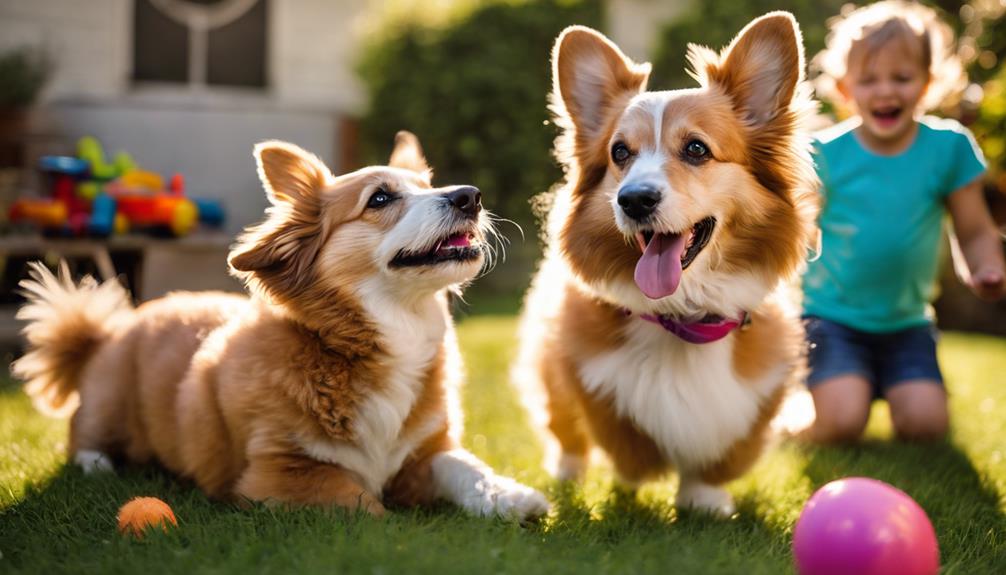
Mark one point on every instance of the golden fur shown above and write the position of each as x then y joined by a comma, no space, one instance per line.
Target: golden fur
594,374
334,384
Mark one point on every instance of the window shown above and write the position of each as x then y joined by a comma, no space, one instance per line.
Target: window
200,42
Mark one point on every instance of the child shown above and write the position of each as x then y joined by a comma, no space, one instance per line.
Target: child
888,175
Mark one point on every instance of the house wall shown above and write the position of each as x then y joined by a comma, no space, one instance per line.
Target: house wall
312,48
207,135
634,24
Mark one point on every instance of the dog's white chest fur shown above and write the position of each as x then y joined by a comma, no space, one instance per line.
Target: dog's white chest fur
412,342
685,396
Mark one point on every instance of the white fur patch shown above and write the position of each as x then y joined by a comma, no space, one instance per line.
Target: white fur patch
412,337
702,291
570,467
696,494
464,480
685,396
93,461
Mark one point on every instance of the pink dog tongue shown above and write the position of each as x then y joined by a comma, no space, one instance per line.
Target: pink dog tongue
658,271
458,240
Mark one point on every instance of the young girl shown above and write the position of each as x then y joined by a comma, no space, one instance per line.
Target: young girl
888,176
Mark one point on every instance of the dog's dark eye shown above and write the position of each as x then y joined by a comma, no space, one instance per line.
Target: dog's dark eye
379,199
620,153
696,150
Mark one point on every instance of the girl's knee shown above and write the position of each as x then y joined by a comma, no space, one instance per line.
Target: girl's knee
920,425
919,411
839,425
842,406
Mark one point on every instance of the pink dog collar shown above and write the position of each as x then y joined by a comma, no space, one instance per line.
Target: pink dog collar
709,329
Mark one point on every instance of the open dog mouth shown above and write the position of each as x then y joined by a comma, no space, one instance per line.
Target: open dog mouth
456,247
666,255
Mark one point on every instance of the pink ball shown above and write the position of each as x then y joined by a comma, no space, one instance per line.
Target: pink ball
867,527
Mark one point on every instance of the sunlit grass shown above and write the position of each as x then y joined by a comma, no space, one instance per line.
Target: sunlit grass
54,519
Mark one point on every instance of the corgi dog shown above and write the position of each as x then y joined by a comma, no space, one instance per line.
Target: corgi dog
651,329
334,384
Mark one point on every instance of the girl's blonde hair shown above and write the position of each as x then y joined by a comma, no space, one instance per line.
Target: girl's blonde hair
861,32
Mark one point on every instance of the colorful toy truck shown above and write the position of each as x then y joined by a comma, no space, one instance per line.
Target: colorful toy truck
91,196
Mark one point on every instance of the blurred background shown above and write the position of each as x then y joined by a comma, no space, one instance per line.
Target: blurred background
142,90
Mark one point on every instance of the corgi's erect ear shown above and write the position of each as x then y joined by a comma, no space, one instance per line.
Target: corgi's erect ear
594,81
408,154
286,243
289,173
761,68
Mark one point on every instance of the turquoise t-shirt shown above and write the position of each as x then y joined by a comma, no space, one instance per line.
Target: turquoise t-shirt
881,224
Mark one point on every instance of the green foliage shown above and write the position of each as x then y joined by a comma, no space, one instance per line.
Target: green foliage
714,23
982,30
23,73
474,91
990,127
985,32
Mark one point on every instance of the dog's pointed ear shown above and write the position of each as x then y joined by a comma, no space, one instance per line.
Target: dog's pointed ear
593,79
760,70
293,180
408,154
290,174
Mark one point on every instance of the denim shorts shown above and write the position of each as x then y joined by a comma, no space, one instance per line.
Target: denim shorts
883,359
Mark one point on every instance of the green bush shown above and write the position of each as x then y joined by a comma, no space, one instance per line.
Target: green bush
475,92
986,31
23,73
714,23
990,127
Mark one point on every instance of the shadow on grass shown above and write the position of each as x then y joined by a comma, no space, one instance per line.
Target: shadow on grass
651,534
964,509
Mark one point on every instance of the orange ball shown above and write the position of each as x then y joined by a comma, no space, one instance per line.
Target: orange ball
141,513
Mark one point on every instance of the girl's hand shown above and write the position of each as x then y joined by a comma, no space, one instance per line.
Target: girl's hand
989,283
978,249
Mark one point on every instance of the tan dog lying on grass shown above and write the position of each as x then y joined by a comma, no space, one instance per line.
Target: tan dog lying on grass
334,384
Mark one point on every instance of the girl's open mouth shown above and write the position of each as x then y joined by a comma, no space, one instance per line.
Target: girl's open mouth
886,117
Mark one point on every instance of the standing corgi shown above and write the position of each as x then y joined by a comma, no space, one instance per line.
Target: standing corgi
650,329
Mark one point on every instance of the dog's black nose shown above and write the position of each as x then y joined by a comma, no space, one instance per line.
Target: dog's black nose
638,200
468,199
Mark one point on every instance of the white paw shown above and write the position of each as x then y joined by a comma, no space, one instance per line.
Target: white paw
93,461
704,497
571,467
504,497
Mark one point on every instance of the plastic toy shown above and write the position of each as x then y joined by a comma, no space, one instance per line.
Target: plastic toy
864,526
48,214
176,215
142,513
89,150
91,196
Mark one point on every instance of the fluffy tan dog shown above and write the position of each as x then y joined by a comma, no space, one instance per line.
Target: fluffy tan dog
650,330
334,384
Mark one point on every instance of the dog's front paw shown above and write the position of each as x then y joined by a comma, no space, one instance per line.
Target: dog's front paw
93,461
704,497
518,501
571,467
461,478
504,497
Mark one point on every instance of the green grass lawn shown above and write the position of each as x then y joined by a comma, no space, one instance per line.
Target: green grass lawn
54,519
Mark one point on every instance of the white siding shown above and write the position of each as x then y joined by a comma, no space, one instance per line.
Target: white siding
88,40
635,24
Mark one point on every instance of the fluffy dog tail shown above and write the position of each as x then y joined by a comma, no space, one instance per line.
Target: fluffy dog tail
66,324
